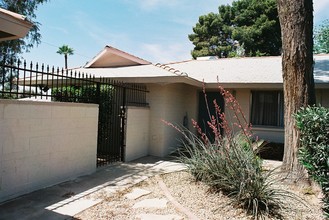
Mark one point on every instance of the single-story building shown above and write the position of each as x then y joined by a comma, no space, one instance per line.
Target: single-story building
175,90
13,25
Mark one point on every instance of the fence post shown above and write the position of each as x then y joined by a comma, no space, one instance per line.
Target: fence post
3,75
123,124
98,93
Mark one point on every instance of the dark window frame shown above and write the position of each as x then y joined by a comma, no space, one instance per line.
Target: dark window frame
266,108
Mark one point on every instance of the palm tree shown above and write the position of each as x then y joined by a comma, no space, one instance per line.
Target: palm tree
66,50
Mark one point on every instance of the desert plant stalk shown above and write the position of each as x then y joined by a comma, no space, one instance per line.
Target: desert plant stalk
230,163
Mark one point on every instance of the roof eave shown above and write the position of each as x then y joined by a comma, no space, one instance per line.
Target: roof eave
112,50
13,25
239,85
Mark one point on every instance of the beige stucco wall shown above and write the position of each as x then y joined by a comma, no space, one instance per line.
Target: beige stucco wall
137,132
243,98
170,102
45,143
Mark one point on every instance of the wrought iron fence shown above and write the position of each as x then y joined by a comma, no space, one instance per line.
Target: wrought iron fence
19,80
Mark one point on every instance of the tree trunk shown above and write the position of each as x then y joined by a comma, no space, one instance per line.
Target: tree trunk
296,20
65,57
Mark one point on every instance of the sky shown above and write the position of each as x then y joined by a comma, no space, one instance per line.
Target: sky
155,30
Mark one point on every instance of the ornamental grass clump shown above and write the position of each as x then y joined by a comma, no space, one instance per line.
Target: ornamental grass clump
230,163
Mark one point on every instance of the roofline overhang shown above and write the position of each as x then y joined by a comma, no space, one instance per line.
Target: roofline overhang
257,85
187,80
235,85
159,80
119,53
13,25
163,80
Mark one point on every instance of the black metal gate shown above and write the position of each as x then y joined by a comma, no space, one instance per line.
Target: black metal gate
111,124
113,99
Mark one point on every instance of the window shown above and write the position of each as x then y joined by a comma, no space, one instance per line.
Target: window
267,108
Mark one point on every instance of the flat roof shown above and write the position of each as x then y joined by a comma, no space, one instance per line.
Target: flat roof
246,70
147,73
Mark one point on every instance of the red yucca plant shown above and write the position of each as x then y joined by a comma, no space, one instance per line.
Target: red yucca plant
230,163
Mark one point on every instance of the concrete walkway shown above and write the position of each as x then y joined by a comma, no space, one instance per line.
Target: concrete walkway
65,200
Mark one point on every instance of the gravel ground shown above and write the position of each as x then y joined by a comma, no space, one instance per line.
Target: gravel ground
195,197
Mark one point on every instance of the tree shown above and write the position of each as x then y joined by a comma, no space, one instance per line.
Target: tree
257,26
212,34
252,23
9,50
66,50
321,38
12,48
296,20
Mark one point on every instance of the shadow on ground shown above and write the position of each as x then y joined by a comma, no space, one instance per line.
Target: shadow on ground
45,203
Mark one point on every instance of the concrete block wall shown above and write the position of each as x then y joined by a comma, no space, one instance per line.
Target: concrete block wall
137,132
44,143
171,102
156,99
181,101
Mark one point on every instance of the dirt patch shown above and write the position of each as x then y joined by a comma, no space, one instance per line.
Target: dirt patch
198,199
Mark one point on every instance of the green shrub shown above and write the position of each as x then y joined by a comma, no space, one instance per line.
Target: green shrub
313,123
